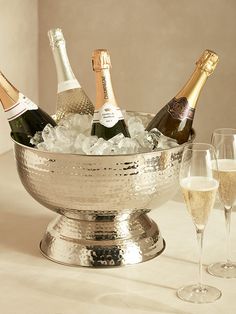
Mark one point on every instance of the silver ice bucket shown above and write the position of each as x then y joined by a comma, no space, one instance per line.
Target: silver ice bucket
101,201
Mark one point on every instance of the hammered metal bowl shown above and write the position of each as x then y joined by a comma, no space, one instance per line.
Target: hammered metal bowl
102,202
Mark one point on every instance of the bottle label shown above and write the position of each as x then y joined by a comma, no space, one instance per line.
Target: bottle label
108,115
180,109
66,85
22,105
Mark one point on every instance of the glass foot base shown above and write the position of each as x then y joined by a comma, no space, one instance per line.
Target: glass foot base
223,270
197,294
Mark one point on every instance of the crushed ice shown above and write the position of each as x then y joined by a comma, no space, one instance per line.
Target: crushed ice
72,135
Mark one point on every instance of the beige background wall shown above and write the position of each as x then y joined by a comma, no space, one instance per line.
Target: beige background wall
153,44
18,53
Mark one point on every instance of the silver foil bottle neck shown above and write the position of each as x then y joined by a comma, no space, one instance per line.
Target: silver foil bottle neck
56,37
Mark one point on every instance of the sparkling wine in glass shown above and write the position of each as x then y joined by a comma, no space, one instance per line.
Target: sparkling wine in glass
224,141
199,185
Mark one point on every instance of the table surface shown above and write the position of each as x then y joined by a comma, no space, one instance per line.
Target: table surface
31,284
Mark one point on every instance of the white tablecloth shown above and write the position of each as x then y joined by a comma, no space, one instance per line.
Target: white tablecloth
31,284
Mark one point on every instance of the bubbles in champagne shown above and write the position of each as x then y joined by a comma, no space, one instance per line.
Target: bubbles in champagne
227,179
199,194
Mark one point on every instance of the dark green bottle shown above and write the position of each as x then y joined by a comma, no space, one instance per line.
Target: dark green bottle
24,117
175,119
108,120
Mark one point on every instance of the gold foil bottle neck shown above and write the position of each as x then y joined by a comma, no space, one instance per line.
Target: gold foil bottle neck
55,37
208,61
9,95
101,59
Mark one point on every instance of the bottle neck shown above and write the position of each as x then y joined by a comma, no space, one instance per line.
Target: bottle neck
14,103
9,95
193,87
104,90
65,76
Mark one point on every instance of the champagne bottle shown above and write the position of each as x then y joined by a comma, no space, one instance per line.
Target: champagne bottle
175,119
24,116
108,120
71,98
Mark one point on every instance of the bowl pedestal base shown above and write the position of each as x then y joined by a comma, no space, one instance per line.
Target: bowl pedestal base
102,239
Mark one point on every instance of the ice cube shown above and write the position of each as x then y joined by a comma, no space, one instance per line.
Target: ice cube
78,122
135,126
63,134
128,146
161,141
48,133
37,138
79,143
145,142
88,144
101,147
116,139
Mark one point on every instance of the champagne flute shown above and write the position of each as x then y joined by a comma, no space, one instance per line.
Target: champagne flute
224,141
199,185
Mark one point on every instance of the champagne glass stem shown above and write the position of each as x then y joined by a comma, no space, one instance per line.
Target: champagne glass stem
228,210
200,233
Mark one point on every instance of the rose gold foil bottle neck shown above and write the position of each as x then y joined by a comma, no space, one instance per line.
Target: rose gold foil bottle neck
208,61
101,59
